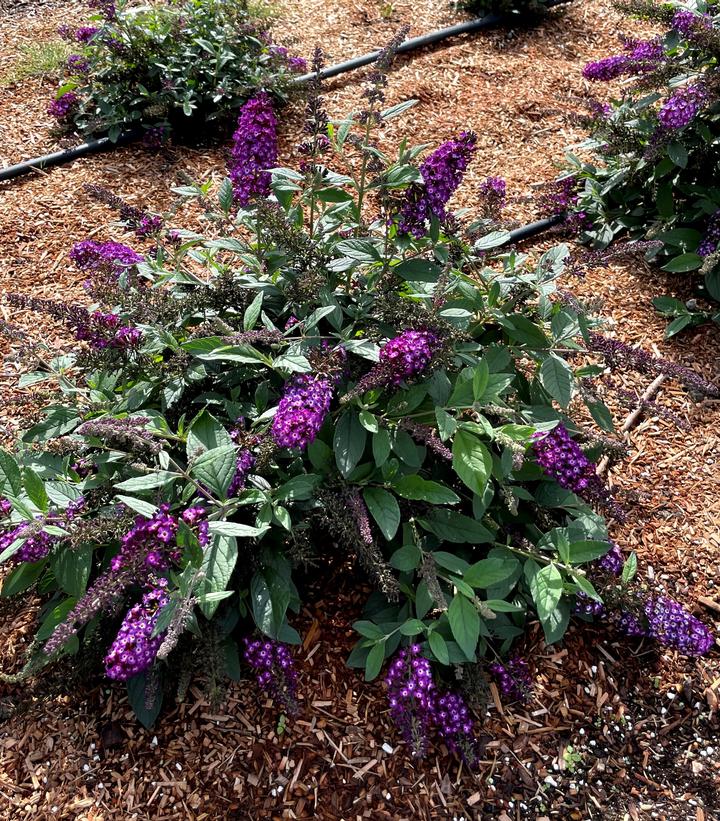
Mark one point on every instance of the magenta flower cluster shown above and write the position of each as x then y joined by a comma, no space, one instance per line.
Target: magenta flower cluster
196,517
302,411
63,106
416,707
36,546
5,507
103,330
298,64
255,150
609,565
134,649
153,538
514,678
410,696
682,107
274,670
442,173
688,23
408,354
562,459
113,257
642,57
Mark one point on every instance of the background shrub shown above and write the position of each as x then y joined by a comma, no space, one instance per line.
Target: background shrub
510,7
180,64
657,145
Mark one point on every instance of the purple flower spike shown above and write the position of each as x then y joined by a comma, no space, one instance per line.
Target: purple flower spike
442,173
63,107
301,411
671,624
682,107
455,726
36,546
606,69
410,696
409,354
243,466
274,670
134,648
254,151
562,459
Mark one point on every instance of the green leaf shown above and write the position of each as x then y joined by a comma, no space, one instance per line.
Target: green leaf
219,559
136,689
138,505
149,481
368,629
71,568
447,425
471,460
384,509
375,660
601,414
381,447
451,526
416,488
10,476
439,647
449,561
678,154
369,421
405,558
56,616
546,587
683,263
487,572
349,442
35,489
206,433
464,622
412,627
299,488
21,577
236,529
557,379
586,551
216,468
225,196
629,568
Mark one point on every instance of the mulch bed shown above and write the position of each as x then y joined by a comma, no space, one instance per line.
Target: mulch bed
616,730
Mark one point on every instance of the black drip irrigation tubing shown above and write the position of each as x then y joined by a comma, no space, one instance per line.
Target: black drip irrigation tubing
106,144
534,228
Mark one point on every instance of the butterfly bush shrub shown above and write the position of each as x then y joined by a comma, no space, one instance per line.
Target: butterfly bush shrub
343,371
177,64
656,146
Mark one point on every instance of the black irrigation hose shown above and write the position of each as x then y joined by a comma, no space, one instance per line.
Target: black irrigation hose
105,144
68,155
534,228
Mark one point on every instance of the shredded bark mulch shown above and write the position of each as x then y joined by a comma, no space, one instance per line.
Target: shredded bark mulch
616,730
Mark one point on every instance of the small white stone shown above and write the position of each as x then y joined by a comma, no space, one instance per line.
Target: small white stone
86,767
550,780
178,766
154,742
387,748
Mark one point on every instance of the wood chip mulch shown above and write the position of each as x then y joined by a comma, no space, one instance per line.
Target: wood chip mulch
616,729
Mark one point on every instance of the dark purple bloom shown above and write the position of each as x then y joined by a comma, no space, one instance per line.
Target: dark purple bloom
135,648
103,330
149,225
455,726
408,354
671,624
63,107
442,173
562,459
86,33
196,517
493,195
606,69
301,411
709,243
682,107
688,23
154,539
112,257
274,669
514,678
154,138
243,466
410,696
37,544
254,151
5,507
298,64
77,64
